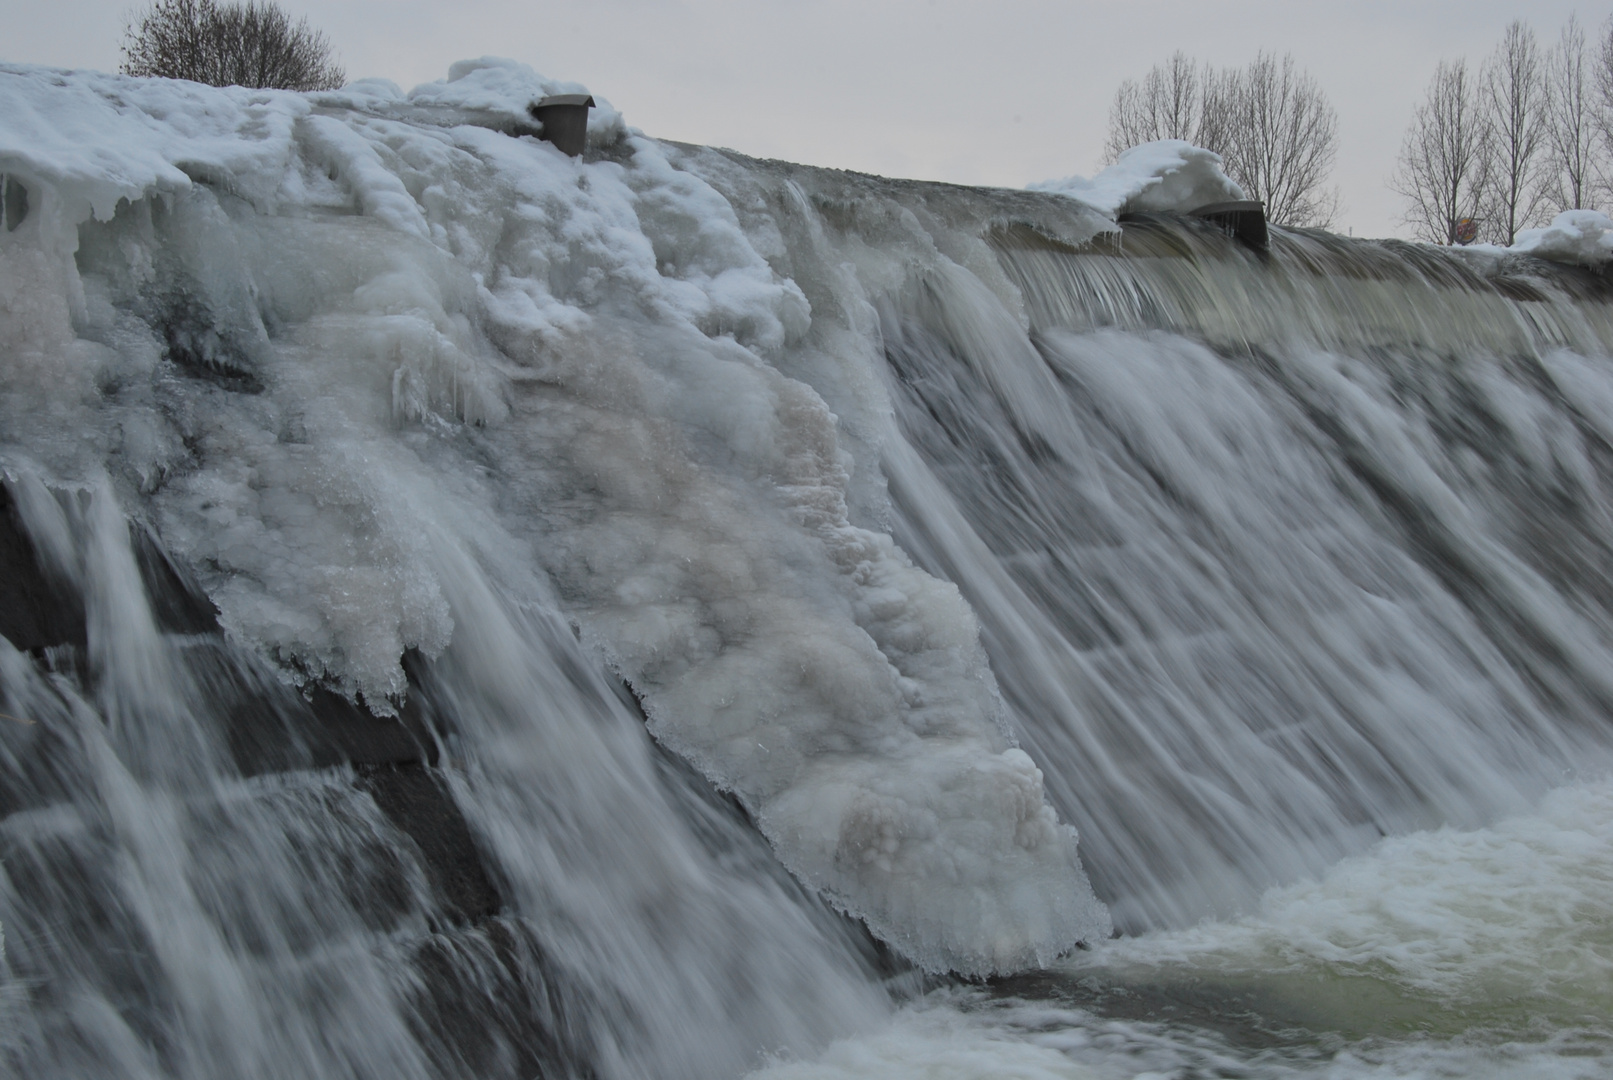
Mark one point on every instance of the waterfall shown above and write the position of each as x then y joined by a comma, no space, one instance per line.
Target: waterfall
471,611
1275,554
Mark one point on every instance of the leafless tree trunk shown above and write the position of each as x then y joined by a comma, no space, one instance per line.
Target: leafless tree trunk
1512,96
1445,160
1571,121
1167,104
1604,88
1282,139
1270,122
232,44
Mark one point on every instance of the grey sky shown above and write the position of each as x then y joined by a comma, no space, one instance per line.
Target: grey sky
980,93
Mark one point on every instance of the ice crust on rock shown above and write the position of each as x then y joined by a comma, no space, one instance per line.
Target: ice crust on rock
319,340
1168,175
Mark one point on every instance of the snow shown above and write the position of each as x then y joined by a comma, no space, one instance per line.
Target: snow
413,342
1171,174
94,139
1583,237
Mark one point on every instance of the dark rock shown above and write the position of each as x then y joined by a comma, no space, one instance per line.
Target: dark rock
417,801
177,602
195,344
490,1003
36,609
342,731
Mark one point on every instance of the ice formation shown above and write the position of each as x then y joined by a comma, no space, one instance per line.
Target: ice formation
329,344
1171,174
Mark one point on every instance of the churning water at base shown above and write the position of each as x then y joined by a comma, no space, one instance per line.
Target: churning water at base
1447,953
378,482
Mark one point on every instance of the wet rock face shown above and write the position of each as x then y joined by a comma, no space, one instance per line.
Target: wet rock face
309,800
37,610
267,726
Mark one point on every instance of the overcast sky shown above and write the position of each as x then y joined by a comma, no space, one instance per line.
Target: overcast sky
1000,93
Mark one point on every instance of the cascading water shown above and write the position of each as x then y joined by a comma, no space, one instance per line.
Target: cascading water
1284,560
379,480
167,915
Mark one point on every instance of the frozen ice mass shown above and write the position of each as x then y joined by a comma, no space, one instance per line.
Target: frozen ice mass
605,328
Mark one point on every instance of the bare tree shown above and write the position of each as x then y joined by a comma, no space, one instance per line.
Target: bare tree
1218,115
1444,163
1281,140
1571,126
1270,122
1167,104
1512,96
1604,87
231,44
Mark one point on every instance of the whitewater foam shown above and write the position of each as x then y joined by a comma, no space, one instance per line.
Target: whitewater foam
1273,554
1457,919
1447,952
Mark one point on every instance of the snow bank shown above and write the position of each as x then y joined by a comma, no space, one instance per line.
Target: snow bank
1584,237
1171,174
320,340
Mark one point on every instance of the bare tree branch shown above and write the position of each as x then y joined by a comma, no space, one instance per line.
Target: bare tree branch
1444,166
1168,104
1603,80
1282,141
231,44
1512,97
1218,116
1271,124
1571,126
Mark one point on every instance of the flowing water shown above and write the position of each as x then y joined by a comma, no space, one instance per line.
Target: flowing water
471,612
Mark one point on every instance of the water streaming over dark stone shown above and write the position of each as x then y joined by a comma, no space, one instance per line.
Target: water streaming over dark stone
1275,554
234,877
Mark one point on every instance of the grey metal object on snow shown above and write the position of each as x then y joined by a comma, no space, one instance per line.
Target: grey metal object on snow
14,198
565,120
